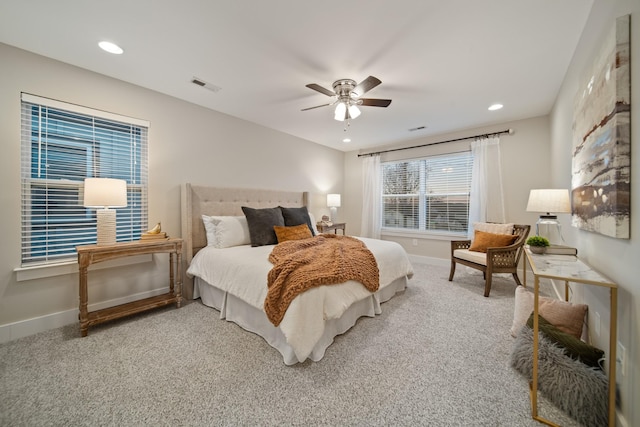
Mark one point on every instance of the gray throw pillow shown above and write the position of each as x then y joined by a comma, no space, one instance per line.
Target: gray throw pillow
261,223
574,347
297,216
579,390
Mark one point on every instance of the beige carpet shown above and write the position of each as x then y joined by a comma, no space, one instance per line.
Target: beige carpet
438,355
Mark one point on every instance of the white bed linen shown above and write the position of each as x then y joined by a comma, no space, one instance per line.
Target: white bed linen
242,272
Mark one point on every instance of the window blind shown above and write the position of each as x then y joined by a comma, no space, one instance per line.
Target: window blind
427,194
62,144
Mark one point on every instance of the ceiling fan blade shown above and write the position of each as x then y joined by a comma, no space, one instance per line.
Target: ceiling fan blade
320,89
317,106
370,102
366,85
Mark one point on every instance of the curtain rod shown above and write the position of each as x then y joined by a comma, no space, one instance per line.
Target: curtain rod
509,131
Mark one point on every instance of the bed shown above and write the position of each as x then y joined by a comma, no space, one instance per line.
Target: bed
233,280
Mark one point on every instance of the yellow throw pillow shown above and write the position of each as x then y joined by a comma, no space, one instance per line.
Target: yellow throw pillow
483,240
296,232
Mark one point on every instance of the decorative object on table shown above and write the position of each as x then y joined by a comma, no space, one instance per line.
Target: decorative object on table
601,163
105,193
538,244
333,202
154,234
325,221
549,201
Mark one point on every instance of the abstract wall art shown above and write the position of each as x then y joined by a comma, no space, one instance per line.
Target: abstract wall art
601,160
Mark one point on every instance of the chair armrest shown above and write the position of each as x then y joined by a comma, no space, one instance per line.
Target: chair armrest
505,255
460,244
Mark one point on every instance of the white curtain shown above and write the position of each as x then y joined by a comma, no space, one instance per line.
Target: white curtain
371,197
487,198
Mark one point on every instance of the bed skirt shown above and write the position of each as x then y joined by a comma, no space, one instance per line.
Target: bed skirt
254,320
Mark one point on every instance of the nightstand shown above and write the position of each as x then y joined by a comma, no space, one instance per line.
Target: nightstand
322,228
91,254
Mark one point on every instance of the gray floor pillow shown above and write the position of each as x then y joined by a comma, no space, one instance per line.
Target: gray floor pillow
577,389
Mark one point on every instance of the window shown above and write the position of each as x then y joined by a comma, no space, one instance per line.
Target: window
429,194
62,144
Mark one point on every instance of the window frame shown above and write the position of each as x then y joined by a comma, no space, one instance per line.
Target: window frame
422,195
41,141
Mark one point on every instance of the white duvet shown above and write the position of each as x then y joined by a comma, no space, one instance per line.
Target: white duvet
242,271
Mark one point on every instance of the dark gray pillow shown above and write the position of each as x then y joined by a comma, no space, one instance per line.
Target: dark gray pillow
297,216
574,347
261,223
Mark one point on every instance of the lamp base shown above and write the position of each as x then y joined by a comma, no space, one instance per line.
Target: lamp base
549,227
106,227
334,213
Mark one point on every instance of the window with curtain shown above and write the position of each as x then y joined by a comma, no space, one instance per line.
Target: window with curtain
62,144
428,194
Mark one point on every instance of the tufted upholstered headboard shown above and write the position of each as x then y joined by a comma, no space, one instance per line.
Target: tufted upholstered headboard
198,200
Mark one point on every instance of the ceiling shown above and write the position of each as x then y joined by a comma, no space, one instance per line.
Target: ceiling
441,62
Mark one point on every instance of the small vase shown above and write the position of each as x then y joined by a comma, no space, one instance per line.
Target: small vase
538,249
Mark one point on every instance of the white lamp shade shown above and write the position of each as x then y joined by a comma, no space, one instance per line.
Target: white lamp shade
340,113
333,200
354,111
105,193
549,201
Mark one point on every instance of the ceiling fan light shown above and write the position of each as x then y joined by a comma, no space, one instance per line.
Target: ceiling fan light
354,111
340,113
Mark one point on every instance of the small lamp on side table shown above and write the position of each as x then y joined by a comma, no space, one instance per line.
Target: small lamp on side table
105,193
333,202
550,202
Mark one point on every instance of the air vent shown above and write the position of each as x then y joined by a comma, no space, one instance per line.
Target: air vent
417,128
206,85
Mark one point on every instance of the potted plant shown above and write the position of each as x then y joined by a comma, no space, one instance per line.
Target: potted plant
538,244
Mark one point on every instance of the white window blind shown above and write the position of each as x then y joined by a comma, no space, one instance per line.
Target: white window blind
427,194
62,144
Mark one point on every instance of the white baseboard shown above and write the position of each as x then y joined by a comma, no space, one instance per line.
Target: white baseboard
35,325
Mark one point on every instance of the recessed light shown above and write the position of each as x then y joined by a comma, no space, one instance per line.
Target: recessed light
110,47
346,140
495,107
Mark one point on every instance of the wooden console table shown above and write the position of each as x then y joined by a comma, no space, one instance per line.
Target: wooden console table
569,268
92,254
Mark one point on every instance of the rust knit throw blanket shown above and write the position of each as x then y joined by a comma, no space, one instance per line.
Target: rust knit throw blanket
322,260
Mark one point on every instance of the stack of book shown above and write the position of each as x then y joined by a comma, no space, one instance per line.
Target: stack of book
561,250
154,236
155,233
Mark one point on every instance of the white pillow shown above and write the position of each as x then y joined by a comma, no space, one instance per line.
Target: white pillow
313,224
226,231
489,227
210,229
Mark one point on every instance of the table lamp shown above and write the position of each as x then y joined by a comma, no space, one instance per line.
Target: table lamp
550,202
105,193
333,202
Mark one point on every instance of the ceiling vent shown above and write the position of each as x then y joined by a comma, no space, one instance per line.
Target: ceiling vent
206,85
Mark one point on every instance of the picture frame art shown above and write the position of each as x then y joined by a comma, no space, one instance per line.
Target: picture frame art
601,158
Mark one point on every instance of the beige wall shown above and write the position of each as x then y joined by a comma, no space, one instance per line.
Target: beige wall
525,165
187,143
616,258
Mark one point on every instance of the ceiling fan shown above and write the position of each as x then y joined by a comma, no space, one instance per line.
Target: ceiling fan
348,97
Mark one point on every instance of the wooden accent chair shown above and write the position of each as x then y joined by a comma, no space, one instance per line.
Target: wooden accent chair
496,260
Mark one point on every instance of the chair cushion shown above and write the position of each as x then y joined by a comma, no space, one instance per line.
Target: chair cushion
490,227
465,254
483,240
